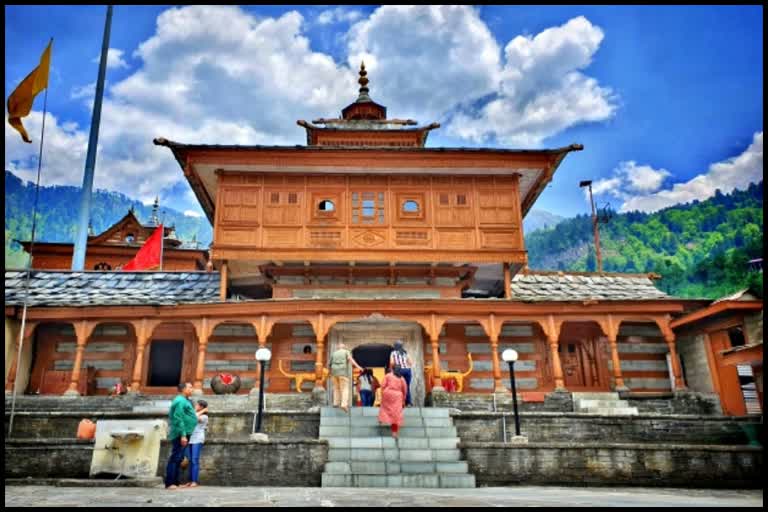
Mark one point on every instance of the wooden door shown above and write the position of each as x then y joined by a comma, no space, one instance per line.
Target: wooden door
572,362
731,396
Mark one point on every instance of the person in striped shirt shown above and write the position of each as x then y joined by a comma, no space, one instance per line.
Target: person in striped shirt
399,358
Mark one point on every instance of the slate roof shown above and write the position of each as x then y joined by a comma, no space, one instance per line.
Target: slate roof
533,287
57,288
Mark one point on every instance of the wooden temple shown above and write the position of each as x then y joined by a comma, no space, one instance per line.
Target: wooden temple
365,236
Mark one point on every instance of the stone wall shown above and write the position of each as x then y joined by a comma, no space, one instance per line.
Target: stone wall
679,402
753,325
693,355
48,458
591,428
225,425
498,464
297,463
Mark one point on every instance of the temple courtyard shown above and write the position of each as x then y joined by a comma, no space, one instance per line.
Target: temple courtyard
47,496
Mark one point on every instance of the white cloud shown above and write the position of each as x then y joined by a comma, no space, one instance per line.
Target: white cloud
542,90
338,15
642,178
424,61
114,59
608,185
192,213
87,91
737,172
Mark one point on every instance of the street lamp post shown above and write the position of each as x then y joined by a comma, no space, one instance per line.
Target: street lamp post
510,356
262,356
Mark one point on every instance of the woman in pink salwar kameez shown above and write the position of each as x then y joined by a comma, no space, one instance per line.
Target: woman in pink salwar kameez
393,392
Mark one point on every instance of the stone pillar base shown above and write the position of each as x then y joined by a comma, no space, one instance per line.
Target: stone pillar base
621,389
254,392
197,392
71,393
518,440
259,437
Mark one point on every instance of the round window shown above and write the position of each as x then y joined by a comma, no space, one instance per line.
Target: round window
326,205
410,206
129,238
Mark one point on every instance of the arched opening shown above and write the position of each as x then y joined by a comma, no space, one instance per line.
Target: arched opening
410,206
326,205
372,355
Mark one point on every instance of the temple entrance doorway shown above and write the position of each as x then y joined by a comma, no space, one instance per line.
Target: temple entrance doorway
378,332
376,357
165,359
582,358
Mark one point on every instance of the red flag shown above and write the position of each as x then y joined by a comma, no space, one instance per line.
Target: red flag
148,257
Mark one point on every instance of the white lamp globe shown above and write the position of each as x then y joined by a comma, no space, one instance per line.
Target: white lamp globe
263,354
509,355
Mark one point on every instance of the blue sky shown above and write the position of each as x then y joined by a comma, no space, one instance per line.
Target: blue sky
667,100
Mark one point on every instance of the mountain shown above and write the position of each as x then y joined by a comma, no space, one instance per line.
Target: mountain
57,213
540,219
701,249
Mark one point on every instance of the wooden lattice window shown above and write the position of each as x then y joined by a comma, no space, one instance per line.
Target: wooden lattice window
274,198
368,206
292,198
461,200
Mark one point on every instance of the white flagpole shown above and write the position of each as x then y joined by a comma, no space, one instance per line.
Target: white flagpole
29,263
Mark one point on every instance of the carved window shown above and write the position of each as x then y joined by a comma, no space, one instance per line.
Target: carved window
367,207
292,198
129,238
461,200
274,198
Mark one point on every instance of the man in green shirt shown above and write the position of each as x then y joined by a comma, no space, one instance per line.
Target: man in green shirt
341,374
182,421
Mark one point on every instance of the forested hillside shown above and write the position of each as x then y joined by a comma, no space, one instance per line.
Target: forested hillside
701,249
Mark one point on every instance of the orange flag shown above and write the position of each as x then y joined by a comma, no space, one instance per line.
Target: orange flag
148,257
20,101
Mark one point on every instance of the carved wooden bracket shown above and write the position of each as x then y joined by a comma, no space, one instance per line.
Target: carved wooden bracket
204,328
83,331
432,325
551,327
321,325
263,327
492,327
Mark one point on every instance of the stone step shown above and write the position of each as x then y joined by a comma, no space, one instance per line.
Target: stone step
393,455
425,412
585,403
373,421
446,443
381,431
394,468
612,411
594,395
427,480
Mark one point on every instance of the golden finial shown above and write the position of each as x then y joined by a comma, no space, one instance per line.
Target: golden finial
363,81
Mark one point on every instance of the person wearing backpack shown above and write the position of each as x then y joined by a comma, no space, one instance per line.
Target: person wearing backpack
341,375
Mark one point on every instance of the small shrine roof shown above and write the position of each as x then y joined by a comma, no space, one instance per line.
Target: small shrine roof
560,286
58,288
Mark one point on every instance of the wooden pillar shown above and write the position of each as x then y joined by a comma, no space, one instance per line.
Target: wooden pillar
10,381
204,332
223,285
618,379
437,383
507,282
83,331
557,369
143,335
320,331
263,327
669,337
497,385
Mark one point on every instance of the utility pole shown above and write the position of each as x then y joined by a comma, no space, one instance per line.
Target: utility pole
78,256
588,183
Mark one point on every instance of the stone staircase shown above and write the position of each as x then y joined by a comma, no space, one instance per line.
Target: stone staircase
606,404
363,453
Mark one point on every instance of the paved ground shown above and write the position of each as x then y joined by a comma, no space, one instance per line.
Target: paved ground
43,496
